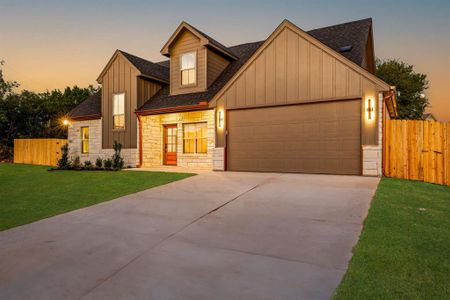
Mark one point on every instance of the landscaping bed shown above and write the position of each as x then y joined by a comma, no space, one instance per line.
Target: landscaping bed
30,193
404,249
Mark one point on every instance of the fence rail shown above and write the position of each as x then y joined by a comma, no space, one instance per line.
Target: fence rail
38,151
417,150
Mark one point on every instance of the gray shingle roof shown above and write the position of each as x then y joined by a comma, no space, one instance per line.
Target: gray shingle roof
354,34
91,107
148,68
162,99
215,43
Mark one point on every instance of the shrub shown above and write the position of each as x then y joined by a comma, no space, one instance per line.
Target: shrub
99,162
108,163
6,153
88,165
117,160
76,163
64,162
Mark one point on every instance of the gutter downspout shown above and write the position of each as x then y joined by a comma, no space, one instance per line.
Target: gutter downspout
140,141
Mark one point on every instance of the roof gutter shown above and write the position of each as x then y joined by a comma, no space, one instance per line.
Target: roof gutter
86,117
200,105
391,101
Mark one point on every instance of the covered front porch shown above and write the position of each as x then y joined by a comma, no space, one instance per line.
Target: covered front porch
183,140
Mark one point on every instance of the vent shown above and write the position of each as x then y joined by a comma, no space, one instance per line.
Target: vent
346,48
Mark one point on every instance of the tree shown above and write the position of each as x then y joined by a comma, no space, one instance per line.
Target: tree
34,115
411,87
6,87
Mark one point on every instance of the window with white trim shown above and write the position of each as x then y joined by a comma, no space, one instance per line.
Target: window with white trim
188,68
195,138
119,111
84,140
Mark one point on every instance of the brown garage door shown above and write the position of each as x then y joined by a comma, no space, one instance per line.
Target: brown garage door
310,138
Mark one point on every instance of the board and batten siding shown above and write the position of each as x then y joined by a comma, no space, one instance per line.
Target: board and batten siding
122,77
293,70
216,64
187,42
145,90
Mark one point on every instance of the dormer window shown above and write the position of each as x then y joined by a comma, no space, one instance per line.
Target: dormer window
188,68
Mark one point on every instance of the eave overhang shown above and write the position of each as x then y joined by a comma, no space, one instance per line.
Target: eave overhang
164,110
87,117
204,41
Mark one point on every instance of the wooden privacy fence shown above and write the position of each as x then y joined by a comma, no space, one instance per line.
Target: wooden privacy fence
417,150
38,151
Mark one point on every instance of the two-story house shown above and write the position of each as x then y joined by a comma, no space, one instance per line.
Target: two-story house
295,102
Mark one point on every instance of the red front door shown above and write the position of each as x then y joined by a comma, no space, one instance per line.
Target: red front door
170,145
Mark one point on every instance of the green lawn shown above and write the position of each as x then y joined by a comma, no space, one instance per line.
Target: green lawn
30,193
404,249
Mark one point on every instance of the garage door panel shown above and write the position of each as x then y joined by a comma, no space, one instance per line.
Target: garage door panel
311,138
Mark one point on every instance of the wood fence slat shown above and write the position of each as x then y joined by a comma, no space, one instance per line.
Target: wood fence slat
431,153
387,152
419,139
399,152
440,154
446,135
405,159
412,163
425,150
38,151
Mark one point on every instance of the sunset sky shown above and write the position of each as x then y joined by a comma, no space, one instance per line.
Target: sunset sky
53,44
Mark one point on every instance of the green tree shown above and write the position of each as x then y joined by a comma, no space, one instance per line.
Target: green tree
411,87
6,87
28,114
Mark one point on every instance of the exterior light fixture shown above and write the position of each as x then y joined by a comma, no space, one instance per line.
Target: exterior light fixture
66,122
370,109
220,118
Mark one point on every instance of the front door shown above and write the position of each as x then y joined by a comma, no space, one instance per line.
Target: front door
170,145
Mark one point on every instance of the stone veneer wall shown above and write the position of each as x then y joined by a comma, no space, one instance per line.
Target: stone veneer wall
152,139
95,144
219,159
373,154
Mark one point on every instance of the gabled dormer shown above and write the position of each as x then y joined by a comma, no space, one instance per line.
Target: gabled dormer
196,59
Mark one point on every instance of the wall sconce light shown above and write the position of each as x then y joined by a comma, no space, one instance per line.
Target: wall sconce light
370,109
220,118
66,122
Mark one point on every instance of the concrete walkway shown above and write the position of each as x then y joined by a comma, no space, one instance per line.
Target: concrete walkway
217,235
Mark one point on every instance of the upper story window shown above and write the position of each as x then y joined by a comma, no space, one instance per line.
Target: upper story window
188,68
119,111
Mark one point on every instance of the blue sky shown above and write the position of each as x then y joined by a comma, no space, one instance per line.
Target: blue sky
51,44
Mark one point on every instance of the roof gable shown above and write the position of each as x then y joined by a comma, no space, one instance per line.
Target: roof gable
289,25
163,99
205,40
142,66
331,39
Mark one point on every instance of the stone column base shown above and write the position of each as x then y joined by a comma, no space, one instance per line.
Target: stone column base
219,159
372,160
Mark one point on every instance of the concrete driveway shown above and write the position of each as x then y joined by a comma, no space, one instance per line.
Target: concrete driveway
216,235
